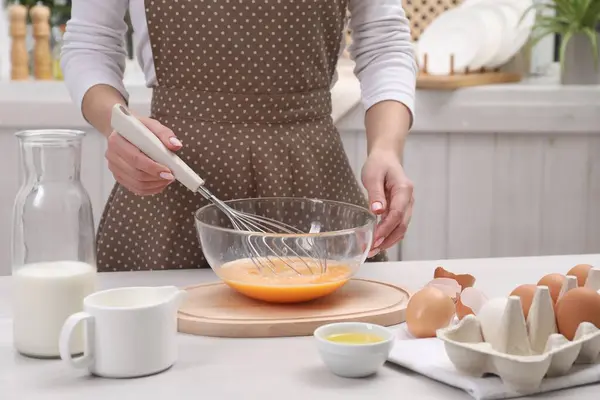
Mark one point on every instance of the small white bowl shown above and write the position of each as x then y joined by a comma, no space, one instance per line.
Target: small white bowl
353,360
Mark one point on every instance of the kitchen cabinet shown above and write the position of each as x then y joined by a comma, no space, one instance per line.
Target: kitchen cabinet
505,170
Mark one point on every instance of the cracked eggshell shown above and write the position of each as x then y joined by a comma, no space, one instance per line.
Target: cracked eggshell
470,301
447,285
464,280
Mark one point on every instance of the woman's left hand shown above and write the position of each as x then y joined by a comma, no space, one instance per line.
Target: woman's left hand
390,195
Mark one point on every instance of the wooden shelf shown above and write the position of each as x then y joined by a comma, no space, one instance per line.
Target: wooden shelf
456,81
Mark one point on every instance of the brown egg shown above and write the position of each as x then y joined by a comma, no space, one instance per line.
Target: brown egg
427,311
580,271
576,306
464,280
526,293
554,283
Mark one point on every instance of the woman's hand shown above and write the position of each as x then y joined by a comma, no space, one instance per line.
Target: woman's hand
133,169
390,195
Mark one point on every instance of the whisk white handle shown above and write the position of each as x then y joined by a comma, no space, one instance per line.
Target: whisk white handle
141,137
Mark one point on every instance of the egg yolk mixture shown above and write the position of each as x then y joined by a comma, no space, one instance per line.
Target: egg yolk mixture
354,338
282,284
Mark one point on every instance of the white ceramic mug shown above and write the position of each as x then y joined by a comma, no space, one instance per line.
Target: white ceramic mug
129,332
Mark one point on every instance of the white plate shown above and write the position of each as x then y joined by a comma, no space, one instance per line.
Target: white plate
494,34
507,49
517,32
455,32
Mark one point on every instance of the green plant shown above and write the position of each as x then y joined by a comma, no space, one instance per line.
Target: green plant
567,18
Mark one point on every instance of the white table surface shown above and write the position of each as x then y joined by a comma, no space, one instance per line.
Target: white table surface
288,368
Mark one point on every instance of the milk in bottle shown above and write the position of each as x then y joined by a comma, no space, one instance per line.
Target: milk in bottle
53,251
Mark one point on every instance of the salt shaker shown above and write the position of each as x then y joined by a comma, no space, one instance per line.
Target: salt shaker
53,243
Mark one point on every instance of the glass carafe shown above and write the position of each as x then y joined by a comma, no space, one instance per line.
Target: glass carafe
53,247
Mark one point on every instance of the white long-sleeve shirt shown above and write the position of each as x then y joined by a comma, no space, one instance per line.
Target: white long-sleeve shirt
94,48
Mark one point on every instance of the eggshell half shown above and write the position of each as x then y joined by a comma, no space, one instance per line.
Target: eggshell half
470,301
446,285
464,280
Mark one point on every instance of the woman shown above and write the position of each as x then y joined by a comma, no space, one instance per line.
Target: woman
241,92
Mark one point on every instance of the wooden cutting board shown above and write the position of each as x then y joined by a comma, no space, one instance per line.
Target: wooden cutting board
216,310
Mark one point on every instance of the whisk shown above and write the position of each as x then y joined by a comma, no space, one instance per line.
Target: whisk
261,228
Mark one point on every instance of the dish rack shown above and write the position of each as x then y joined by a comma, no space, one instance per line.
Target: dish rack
459,80
421,13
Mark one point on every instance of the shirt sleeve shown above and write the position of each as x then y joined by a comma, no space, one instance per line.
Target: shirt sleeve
383,52
94,46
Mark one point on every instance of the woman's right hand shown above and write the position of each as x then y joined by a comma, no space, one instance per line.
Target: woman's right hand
133,169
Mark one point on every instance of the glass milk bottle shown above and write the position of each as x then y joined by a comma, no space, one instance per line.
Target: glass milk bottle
53,248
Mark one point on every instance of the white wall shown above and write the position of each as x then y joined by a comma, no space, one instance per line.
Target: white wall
498,194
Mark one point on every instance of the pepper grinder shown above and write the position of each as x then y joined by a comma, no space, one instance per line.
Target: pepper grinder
18,30
42,55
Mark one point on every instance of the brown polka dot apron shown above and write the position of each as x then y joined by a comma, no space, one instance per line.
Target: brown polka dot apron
245,85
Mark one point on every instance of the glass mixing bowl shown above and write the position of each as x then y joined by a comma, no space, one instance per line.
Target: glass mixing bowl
287,267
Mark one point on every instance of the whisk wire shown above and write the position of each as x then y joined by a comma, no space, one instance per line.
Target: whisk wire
251,223
243,221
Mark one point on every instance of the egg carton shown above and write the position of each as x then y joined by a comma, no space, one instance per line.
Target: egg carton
520,351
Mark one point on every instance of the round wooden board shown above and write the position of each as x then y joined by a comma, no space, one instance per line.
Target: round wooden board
214,309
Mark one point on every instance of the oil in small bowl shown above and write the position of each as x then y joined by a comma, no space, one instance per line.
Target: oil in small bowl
355,338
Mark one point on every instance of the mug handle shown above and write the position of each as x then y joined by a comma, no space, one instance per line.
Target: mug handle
65,339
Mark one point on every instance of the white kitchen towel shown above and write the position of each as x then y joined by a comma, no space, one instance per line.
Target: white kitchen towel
428,357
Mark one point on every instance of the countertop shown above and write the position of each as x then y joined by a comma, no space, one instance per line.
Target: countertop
290,368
